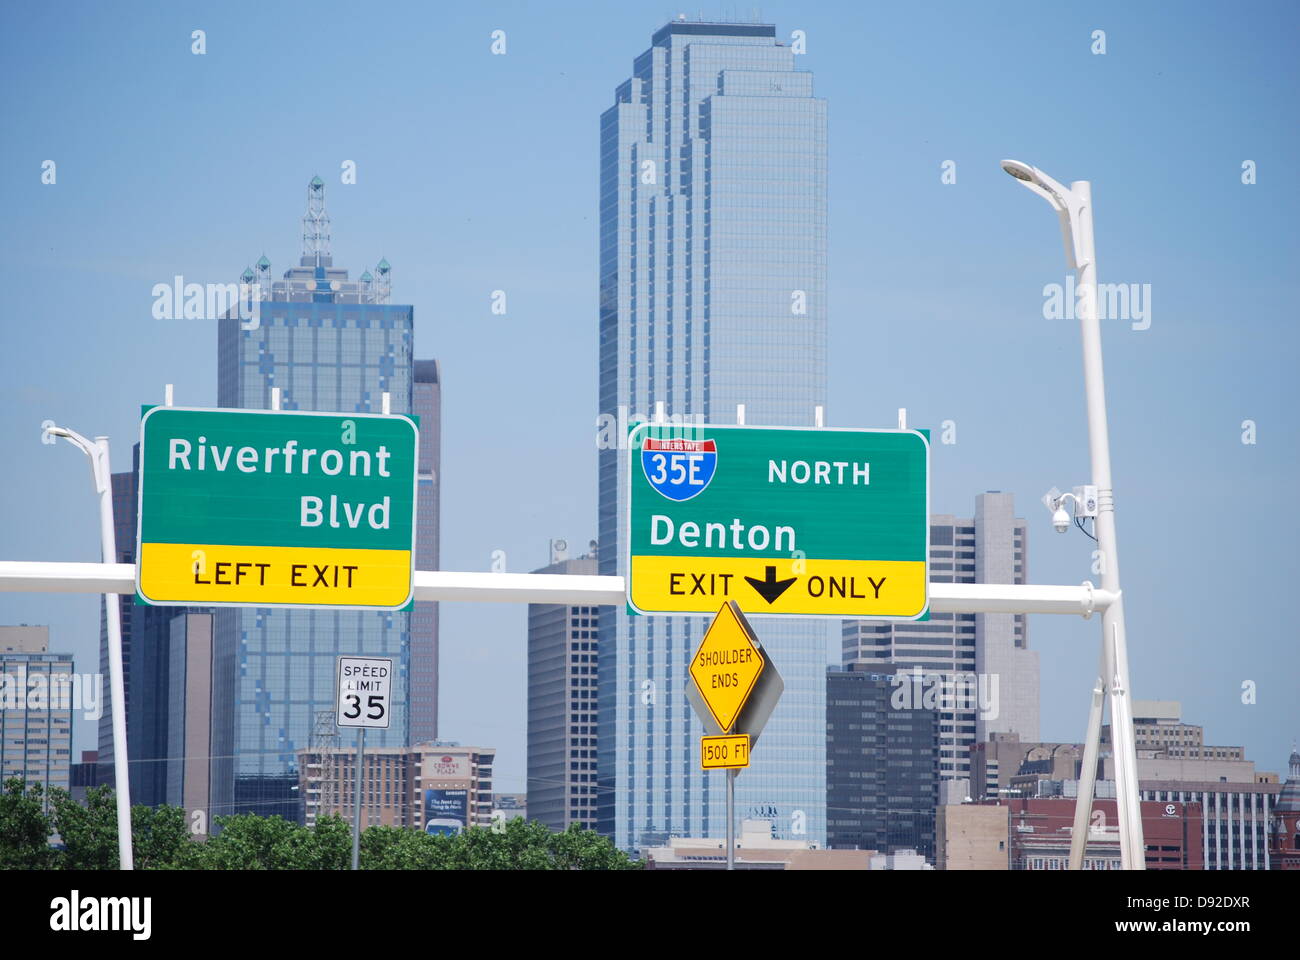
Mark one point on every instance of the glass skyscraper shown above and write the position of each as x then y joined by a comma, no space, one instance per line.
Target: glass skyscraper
712,294
427,405
881,769
329,344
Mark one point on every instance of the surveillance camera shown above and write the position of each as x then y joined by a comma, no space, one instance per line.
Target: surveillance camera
1061,519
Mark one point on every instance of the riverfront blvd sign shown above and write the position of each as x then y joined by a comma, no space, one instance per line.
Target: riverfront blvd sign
276,509
788,520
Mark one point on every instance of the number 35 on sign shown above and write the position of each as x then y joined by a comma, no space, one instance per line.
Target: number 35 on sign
365,688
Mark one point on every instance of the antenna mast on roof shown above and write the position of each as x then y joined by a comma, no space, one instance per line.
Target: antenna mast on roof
316,227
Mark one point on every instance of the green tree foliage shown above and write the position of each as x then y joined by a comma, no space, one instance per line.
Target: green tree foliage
24,828
250,842
89,832
520,846
162,841
160,834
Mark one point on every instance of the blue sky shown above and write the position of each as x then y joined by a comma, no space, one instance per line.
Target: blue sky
478,172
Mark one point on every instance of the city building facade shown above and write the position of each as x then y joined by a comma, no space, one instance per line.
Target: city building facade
1161,733
36,708
998,765
712,295
1284,828
145,645
1041,827
1235,817
563,661
436,787
191,756
1034,833
972,836
984,675
881,786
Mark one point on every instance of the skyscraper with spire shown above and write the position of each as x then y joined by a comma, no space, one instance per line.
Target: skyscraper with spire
712,295
334,344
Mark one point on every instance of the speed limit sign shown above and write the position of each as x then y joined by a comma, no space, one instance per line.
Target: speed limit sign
364,691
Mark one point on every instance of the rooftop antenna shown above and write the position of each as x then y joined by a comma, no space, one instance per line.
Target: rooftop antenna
383,281
316,227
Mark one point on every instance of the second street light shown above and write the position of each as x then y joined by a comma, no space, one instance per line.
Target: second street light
1073,206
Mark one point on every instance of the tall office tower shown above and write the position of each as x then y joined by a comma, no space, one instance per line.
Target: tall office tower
426,400
191,759
145,646
712,295
329,344
978,666
562,670
881,786
36,703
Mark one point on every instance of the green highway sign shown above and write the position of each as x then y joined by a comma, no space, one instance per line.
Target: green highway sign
785,520
276,508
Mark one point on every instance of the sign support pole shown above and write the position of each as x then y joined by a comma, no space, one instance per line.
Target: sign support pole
356,806
103,475
731,819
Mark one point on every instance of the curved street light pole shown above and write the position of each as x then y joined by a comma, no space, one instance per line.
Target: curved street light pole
1073,206
97,451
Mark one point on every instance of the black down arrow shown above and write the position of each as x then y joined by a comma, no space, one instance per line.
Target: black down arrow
770,588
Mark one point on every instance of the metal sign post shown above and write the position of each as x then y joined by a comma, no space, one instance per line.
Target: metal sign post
103,474
731,819
733,688
356,803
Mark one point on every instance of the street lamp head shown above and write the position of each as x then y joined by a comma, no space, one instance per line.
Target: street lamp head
1040,183
1064,201
1021,171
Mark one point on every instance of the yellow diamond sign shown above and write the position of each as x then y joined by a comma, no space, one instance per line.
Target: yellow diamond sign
727,665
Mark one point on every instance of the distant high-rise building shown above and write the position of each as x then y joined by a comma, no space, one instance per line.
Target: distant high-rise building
36,701
84,775
191,762
563,644
328,344
426,403
998,763
145,649
881,741
712,295
984,673
1160,732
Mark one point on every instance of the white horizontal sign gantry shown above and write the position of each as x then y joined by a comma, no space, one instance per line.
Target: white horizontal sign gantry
30,576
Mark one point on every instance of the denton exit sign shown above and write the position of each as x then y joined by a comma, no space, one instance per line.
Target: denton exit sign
783,520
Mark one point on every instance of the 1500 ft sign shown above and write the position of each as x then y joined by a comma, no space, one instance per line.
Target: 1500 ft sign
270,508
